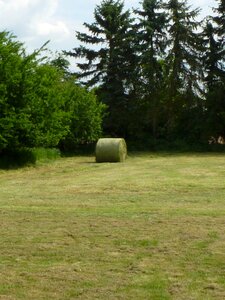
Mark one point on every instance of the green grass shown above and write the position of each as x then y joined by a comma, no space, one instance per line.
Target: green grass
149,228
46,154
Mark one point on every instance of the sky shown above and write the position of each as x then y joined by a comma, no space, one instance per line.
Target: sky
36,21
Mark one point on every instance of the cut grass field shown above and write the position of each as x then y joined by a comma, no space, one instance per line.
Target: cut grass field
150,228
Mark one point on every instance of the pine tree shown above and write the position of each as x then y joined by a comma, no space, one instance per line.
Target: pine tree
152,42
182,62
110,61
214,63
211,56
219,21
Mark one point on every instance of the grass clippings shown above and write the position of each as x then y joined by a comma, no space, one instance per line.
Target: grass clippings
151,228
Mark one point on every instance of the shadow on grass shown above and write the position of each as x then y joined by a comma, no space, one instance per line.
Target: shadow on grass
15,159
19,158
80,150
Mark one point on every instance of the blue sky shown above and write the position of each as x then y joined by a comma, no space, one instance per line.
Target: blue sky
36,21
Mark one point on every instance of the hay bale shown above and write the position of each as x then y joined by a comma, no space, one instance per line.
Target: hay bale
111,150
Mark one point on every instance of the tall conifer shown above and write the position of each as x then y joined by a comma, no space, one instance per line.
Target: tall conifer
108,65
183,60
152,41
214,63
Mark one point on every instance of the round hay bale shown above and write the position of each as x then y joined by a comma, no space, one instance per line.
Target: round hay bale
111,150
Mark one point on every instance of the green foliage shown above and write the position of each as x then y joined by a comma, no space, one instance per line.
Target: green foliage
46,154
31,107
109,30
50,122
210,59
219,19
183,66
111,66
151,41
40,103
149,72
13,120
214,64
60,62
158,76
85,115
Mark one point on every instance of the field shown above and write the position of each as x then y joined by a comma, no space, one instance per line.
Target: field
150,228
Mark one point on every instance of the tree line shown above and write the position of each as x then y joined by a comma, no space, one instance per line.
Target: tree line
153,74
159,70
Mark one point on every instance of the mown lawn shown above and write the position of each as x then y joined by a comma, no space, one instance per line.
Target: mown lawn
150,228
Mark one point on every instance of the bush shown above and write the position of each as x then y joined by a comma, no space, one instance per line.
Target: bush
40,105
85,113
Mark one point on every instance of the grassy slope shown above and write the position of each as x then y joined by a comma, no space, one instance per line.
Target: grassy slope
150,228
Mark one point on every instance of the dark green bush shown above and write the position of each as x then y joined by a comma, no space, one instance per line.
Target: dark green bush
17,158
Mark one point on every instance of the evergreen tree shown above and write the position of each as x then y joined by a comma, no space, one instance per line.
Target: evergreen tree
211,56
214,63
108,65
61,63
182,62
219,21
152,41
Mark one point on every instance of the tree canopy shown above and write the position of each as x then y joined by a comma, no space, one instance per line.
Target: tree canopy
39,104
153,68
